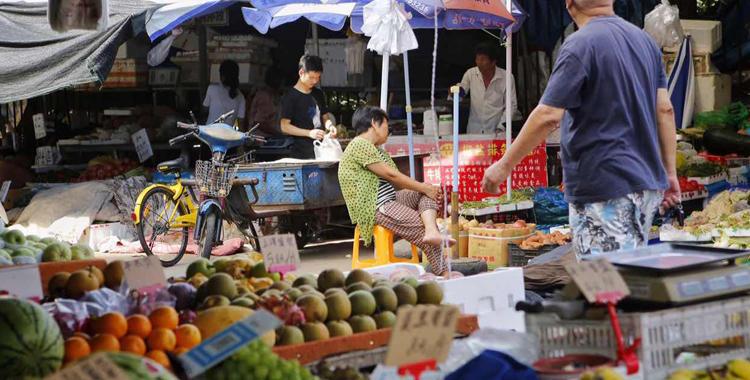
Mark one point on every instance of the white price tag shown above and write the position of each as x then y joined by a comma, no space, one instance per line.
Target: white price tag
22,281
45,156
218,347
4,191
144,274
280,253
422,333
142,145
40,130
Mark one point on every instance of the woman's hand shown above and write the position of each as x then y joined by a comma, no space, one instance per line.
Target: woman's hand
433,192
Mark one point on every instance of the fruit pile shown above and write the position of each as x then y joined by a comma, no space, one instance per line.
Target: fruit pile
152,336
687,186
312,309
257,361
17,249
75,285
737,369
106,167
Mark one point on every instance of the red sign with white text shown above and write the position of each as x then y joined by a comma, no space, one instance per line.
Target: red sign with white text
474,157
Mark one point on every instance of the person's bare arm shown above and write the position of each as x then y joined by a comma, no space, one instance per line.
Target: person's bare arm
401,181
288,129
542,121
667,131
668,144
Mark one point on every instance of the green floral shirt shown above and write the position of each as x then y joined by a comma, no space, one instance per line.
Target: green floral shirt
359,185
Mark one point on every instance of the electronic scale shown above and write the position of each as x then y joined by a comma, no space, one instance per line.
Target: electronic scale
679,273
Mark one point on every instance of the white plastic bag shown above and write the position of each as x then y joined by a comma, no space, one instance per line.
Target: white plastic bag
328,150
663,24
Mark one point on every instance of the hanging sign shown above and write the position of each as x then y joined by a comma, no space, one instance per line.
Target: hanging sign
40,130
142,145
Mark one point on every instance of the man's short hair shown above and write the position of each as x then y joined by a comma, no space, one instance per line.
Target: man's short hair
587,4
364,116
310,62
488,49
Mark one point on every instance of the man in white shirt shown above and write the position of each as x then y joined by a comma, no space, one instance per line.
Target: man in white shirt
485,83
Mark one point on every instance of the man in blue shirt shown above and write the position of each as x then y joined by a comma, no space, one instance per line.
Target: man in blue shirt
607,94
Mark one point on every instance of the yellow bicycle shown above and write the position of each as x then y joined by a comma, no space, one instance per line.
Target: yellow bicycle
164,214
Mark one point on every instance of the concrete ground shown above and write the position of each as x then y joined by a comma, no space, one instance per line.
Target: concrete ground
314,258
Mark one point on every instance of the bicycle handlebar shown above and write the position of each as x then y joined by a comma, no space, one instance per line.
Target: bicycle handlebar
179,139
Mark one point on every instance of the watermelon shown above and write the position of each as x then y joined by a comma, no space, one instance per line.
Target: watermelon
31,344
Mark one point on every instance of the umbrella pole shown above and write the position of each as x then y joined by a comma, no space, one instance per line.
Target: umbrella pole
384,83
508,100
409,126
454,191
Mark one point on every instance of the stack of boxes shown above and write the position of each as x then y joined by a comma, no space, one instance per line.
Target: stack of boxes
252,54
713,90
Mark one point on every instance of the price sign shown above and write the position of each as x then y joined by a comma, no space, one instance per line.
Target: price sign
95,367
218,347
144,274
280,252
21,281
142,145
423,333
598,280
40,130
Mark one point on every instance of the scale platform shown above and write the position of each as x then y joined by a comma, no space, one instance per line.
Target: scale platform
679,273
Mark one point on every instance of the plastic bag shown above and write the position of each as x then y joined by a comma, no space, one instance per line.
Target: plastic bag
663,24
550,207
328,150
521,347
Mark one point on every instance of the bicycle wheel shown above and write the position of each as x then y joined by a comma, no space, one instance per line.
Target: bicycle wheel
208,236
157,236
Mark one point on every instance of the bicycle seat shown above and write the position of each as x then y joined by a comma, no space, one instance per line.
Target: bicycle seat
222,132
173,166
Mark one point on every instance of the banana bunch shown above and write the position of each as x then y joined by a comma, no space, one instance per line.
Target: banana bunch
688,374
738,369
602,374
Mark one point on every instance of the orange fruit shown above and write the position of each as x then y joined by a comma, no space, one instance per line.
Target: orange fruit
164,317
111,323
162,339
76,348
188,336
180,350
133,344
139,325
159,357
104,342
83,335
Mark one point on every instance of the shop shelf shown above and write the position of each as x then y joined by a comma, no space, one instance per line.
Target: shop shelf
710,179
525,205
664,335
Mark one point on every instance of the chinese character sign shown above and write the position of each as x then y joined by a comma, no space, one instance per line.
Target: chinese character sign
474,157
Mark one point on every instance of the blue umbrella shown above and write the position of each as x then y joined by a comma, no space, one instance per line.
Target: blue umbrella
681,85
272,13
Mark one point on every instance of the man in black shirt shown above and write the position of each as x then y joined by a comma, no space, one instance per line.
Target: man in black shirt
303,112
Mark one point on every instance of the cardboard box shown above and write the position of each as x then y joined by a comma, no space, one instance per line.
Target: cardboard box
492,296
712,92
701,63
491,244
127,73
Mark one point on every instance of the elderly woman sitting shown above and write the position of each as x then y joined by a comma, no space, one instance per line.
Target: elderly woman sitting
369,179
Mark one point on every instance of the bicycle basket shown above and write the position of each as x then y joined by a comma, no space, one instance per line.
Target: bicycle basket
214,178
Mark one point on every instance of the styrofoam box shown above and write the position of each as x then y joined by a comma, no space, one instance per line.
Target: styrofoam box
386,270
96,234
706,34
712,92
492,296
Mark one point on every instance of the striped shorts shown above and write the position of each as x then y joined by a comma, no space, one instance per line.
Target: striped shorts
402,216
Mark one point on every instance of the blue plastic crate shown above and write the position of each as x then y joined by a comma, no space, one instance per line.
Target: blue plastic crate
299,185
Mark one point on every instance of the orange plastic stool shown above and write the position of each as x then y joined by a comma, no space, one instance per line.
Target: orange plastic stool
383,239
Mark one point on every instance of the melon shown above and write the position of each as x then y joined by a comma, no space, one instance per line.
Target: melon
31,342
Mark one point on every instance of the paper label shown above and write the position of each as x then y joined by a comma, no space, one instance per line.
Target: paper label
22,281
4,191
280,252
40,130
142,145
144,274
422,333
598,280
95,367
214,350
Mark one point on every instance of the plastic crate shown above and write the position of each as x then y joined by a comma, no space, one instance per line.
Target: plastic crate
664,335
520,257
